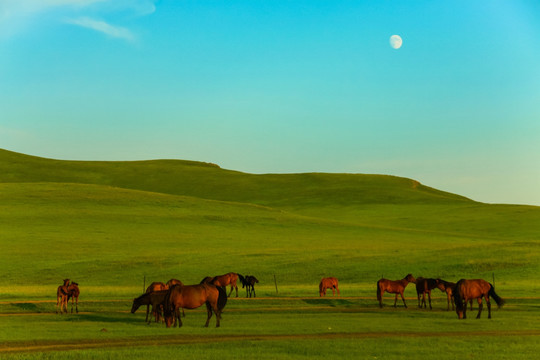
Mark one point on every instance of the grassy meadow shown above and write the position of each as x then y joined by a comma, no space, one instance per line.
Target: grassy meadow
111,225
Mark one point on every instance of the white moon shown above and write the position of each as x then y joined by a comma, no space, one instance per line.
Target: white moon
396,41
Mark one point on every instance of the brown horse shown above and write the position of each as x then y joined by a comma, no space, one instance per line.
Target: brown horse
155,286
192,297
61,297
249,283
424,286
172,282
155,298
329,283
466,290
393,287
73,294
448,288
223,281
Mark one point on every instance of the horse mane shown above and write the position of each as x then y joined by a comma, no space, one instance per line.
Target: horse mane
242,280
207,280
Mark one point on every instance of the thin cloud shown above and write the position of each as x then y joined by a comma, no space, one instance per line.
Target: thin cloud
103,27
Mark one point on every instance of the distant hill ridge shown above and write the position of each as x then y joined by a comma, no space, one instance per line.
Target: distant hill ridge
209,181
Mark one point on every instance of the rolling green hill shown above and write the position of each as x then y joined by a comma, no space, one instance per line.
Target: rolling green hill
109,224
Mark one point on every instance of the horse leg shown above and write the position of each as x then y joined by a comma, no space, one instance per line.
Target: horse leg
253,289
488,306
333,291
395,301
177,317
419,302
337,289
402,298
429,298
77,305
147,311
480,306
209,311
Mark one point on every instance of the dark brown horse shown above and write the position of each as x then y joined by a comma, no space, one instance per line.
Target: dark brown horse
423,287
448,288
249,283
155,298
224,281
73,294
192,297
61,297
466,290
328,283
155,286
393,287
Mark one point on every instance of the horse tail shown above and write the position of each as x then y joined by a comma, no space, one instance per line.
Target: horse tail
242,280
222,298
379,290
500,302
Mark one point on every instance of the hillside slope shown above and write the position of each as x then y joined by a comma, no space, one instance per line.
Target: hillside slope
208,181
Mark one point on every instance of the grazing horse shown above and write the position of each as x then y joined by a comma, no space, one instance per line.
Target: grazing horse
424,286
61,296
155,286
73,294
393,287
249,282
223,281
192,297
328,283
155,298
466,290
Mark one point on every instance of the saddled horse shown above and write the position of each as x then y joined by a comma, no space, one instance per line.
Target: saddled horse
448,288
61,297
73,294
224,281
154,298
249,283
328,283
393,287
466,290
192,297
423,287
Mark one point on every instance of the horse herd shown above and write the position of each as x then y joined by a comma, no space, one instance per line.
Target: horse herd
171,298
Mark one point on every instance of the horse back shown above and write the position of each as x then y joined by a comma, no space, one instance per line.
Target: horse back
156,286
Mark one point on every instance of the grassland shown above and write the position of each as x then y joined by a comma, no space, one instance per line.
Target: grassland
109,225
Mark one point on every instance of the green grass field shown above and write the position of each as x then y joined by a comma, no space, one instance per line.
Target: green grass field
111,225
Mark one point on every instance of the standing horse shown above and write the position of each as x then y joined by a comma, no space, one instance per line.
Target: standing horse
424,286
466,290
393,287
328,283
155,298
61,296
250,282
73,294
223,281
448,288
155,286
192,297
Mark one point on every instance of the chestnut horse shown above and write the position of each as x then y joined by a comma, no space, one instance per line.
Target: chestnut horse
328,283
192,297
466,290
448,288
154,298
73,294
224,280
424,286
393,287
61,297
172,282
249,283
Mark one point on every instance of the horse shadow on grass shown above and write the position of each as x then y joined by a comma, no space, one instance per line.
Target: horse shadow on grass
328,302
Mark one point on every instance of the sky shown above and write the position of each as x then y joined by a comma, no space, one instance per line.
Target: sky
282,87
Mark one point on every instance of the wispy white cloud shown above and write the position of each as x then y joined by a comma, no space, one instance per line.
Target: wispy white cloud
102,26
18,15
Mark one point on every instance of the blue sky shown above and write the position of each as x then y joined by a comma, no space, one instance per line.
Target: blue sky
282,86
